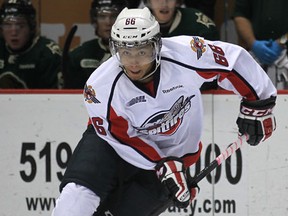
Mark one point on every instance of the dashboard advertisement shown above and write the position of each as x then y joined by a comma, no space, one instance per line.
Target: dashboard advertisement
40,131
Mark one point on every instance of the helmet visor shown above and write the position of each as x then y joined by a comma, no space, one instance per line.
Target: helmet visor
14,22
135,54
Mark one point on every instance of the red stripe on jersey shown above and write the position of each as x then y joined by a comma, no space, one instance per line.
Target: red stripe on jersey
150,87
119,128
89,122
238,83
191,159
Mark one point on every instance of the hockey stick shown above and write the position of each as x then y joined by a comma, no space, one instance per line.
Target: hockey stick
233,147
65,53
192,182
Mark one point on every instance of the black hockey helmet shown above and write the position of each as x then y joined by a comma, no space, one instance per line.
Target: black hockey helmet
19,8
98,6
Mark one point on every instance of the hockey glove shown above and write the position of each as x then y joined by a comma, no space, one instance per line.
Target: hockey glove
257,120
194,188
171,172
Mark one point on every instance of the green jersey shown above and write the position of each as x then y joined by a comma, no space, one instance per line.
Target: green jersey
190,21
83,60
35,68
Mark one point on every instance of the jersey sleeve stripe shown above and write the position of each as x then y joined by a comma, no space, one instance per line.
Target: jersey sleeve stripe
239,83
242,86
190,159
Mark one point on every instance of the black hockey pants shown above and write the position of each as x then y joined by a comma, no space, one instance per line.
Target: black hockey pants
124,189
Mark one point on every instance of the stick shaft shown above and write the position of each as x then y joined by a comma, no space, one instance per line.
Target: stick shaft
65,54
222,157
231,149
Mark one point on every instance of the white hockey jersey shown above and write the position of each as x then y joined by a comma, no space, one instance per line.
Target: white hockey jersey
142,128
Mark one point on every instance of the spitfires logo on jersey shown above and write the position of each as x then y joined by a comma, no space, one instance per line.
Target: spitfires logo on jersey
90,95
197,45
166,122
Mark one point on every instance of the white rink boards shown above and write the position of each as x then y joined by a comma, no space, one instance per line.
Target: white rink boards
39,132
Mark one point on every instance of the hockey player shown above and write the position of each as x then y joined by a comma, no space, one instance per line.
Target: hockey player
145,107
27,60
175,20
84,59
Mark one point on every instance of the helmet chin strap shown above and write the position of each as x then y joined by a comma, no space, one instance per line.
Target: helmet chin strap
151,73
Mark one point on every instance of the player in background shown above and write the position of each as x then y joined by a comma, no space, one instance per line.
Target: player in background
27,60
262,27
146,110
175,20
84,59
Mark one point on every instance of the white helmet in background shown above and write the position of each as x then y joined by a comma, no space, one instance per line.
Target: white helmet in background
135,28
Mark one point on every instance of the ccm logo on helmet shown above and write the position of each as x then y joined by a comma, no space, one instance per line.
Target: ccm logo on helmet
129,36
